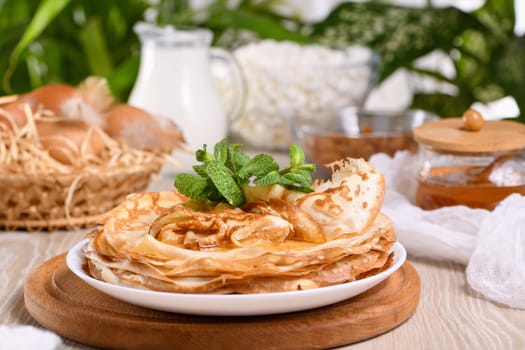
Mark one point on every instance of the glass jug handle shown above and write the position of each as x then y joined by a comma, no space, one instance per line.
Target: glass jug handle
239,82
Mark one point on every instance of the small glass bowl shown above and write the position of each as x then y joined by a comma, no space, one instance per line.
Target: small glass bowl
286,80
359,133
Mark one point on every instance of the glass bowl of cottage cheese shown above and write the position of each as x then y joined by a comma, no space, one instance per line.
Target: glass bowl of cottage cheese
288,82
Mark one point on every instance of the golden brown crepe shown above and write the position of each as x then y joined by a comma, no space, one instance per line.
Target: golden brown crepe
280,241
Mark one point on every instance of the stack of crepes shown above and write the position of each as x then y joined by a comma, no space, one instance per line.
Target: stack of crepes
281,241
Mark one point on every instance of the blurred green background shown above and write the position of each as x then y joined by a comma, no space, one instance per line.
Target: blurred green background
51,41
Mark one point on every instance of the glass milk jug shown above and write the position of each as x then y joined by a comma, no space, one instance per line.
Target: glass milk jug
175,83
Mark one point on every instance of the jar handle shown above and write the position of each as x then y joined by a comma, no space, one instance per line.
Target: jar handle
239,82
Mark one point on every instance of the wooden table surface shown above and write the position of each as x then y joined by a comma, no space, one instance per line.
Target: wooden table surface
450,315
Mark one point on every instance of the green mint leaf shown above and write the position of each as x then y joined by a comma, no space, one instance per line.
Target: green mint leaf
220,151
236,159
305,174
258,166
286,182
296,155
223,180
310,167
213,195
192,186
301,172
271,178
298,179
304,189
222,174
292,185
202,155
200,170
234,147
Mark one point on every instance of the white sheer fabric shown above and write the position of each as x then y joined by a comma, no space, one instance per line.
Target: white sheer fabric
491,244
22,337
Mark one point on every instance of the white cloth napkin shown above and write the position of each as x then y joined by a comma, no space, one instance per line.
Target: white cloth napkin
491,244
19,337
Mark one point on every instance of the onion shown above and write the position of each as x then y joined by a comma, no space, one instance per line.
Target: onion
70,141
12,115
85,103
50,97
139,129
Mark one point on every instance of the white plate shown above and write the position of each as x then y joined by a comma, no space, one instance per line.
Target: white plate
234,304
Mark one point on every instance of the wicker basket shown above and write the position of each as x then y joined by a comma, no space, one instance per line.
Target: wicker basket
38,192
69,201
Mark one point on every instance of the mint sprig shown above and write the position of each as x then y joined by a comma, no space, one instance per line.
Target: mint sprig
222,175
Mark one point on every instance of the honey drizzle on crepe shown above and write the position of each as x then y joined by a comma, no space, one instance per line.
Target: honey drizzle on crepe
354,240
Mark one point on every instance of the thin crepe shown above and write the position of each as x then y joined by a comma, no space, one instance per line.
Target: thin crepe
333,235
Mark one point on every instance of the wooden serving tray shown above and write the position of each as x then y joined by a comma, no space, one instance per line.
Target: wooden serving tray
63,303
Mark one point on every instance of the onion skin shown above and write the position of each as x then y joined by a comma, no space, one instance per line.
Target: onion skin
16,114
69,141
131,125
139,129
50,97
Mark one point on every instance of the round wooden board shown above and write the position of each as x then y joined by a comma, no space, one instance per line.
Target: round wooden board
63,303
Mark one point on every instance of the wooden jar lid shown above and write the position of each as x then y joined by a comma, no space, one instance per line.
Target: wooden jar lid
449,135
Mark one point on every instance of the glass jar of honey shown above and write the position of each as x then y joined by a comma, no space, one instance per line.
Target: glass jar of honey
468,161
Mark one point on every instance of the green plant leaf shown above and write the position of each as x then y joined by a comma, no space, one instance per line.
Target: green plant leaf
272,177
236,158
46,12
202,155
33,68
200,169
433,74
95,48
259,165
503,8
305,174
10,35
442,104
309,167
170,11
14,12
296,155
219,179
220,151
262,24
508,70
298,179
192,186
398,34
220,175
116,23
123,77
499,17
